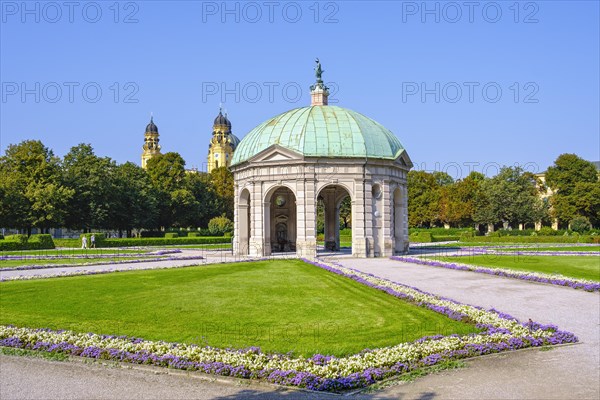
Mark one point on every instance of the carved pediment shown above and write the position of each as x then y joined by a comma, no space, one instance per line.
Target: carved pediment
276,153
404,160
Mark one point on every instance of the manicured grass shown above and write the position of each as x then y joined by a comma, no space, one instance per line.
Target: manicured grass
59,261
584,267
279,305
557,248
217,246
71,252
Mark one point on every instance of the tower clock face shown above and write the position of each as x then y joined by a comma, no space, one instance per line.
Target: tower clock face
280,201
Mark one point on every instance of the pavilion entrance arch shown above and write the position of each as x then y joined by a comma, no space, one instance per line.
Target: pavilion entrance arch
280,220
332,196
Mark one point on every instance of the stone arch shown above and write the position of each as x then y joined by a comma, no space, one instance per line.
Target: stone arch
332,195
280,219
245,222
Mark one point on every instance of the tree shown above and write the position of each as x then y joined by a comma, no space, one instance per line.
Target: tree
574,182
567,171
457,200
346,212
167,174
423,199
511,197
32,191
167,171
222,184
586,200
136,204
92,179
199,184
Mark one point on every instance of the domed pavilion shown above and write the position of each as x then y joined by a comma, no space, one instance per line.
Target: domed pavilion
289,163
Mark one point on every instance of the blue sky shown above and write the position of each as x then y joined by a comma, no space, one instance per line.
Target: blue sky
463,86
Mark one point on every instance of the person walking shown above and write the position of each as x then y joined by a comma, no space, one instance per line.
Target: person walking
84,242
93,241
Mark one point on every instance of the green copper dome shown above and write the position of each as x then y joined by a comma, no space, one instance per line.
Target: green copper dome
321,131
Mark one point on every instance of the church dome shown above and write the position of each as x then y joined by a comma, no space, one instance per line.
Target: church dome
222,120
321,131
151,127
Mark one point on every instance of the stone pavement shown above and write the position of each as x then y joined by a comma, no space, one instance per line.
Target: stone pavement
560,373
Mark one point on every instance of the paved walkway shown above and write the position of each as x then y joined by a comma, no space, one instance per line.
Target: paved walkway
565,372
207,257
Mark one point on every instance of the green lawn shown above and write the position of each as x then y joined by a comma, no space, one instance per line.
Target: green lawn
72,252
585,267
557,248
283,305
214,246
59,261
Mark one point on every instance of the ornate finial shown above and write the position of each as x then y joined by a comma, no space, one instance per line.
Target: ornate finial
318,71
151,116
319,86
220,107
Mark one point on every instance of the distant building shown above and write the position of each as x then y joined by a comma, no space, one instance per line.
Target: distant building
151,147
222,144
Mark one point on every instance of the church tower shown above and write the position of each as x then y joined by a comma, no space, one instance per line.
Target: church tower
151,146
222,144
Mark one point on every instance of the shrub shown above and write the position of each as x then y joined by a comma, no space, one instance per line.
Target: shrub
22,239
171,235
43,241
155,234
447,238
1,236
421,237
22,242
580,224
466,235
532,239
193,234
228,234
134,242
546,231
220,225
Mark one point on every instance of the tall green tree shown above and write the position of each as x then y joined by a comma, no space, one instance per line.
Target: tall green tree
457,201
136,204
167,174
222,183
511,197
572,180
92,178
32,190
423,199
199,184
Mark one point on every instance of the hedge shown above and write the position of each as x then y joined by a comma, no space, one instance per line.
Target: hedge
533,239
171,235
22,242
165,241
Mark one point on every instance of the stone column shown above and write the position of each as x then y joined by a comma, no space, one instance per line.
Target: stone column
306,240
387,220
257,226
359,240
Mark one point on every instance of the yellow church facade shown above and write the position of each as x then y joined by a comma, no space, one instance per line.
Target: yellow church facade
221,147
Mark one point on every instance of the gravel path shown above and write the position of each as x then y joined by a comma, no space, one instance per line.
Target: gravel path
207,257
560,373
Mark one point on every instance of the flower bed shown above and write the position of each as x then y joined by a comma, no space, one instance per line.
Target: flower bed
500,332
589,286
